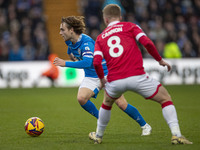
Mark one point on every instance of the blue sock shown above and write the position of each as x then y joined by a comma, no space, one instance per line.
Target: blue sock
91,108
134,113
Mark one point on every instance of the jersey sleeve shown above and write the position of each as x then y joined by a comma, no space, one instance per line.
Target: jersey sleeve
137,32
87,50
85,63
148,44
98,57
87,57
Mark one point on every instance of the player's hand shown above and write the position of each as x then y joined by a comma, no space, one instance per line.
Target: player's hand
163,63
103,82
59,62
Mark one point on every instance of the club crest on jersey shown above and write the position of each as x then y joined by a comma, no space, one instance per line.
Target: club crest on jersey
87,48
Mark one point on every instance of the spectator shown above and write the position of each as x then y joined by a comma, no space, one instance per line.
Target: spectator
171,50
23,20
182,38
196,42
3,50
16,52
29,51
157,31
188,50
158,19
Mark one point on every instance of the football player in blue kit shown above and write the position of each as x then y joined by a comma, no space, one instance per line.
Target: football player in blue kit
80,51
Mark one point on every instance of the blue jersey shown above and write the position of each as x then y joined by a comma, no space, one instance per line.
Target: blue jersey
83,50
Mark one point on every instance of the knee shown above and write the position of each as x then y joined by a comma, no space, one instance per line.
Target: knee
162,96
165,99
82,100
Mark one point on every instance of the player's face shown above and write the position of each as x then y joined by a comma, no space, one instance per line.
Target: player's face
65,32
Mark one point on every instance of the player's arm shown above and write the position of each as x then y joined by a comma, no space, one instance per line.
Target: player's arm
140,36
99,68
87,56
149,45
97,64
85,63
98,57
82,64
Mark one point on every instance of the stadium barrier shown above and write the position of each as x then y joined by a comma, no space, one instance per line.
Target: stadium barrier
28,74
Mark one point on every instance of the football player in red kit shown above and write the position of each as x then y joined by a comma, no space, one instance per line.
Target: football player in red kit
117,45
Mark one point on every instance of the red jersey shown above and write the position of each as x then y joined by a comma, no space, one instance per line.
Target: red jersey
117,44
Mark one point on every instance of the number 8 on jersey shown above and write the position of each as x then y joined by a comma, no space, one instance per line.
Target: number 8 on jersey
115,45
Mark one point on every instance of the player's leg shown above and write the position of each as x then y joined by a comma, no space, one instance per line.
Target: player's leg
84,95
152,89
168,110
88,88
104,118
134,114
170,115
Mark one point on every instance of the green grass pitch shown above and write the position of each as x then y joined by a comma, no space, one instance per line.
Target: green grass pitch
67,125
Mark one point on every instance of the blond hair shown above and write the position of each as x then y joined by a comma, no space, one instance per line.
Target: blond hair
75,22
112,11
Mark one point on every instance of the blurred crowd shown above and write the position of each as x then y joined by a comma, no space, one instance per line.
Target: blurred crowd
173,25
23,34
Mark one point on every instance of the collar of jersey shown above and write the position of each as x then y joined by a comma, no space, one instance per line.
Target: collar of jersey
80,37
112,23
76,45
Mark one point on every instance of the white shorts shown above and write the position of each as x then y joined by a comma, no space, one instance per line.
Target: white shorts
142,84
92,84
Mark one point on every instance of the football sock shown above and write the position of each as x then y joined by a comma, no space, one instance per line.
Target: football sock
104,118
91,108
134,113
170,115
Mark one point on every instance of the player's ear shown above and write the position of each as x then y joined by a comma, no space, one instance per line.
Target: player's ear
72,30
106,20
120,18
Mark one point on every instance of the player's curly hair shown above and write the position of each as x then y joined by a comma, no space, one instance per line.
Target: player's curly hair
75,22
